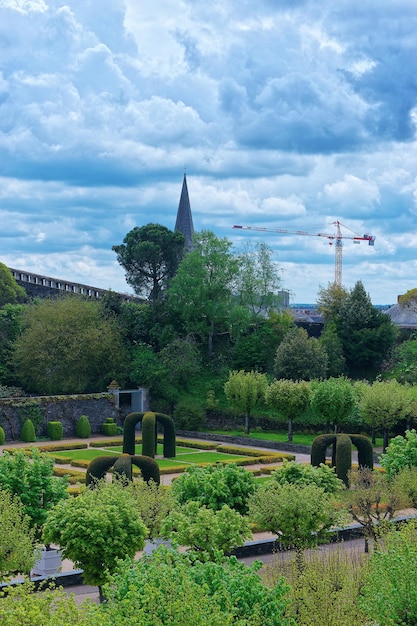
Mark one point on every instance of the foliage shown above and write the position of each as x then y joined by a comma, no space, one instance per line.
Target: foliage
214,486
201,291
295,473
2,436
333,401
27,433
109,427
10,291
31,410
10,325
208,533
404,361
331,342
389,595
83,429
330,301
372,501
16,537
20,606
290,398
31,479
299,357
150,256
383,404
300,515
189,414
95,528
244,390
51,360
181,360
154,502
401,453
164,588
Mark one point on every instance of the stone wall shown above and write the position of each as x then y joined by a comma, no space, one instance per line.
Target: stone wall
65,409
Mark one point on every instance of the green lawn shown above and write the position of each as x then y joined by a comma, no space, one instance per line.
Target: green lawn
301,439
88,454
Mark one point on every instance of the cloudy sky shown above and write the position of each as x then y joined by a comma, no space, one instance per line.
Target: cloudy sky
288,114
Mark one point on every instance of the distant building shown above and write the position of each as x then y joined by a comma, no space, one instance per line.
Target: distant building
403,314
184,222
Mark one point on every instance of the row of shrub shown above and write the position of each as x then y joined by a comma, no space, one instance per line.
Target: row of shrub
55,429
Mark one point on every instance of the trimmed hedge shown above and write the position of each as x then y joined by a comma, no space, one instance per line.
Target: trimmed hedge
54,430
83,429
149,468
109,427
28,432
149,440
122,469
169,434
2,436
98,468
201,445
129,432
342,452
343,458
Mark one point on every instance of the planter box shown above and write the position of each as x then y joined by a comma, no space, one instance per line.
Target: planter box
49,564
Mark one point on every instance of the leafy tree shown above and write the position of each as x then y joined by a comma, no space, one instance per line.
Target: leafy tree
31,479
400,454
258,281
201,291
96,528
153,503
330,301
208,533
244,390
68,346
367,334
215,486
372,501
10,291
17,540
295,473
300,358
389,595
383,404
290,399
150,256
167,588
300,515
182,360
333,401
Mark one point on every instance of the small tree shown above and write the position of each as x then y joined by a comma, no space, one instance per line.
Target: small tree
16,537
384,404
301,474
290,399
208,533
244,390
31,479
333,401
299,515
153,502
400,454
95,529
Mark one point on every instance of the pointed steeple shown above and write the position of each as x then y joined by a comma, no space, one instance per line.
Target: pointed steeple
184,222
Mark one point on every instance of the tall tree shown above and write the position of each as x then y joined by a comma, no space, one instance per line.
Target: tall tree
330,301
290,399
150,256
333,401
244,390
68,346
367,334
201,291
300,358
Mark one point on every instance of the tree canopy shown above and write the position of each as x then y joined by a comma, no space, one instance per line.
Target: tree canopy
10,291
300,357
150,256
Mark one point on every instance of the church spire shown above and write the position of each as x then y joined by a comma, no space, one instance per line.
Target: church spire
184,222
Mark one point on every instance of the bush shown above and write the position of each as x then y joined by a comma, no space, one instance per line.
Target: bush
109,427
28,432
2,436
401,453
300,474
189,415
54,430
214,486
83,427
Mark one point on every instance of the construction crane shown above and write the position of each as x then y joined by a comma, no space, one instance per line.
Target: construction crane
335,238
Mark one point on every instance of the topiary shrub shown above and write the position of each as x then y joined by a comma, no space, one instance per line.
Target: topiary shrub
343,457
169,434
109,427
54,430
83,427
149,468
129,432
342,452
319,448
122,469
148,434
365,450
2,436
28,432
98,468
